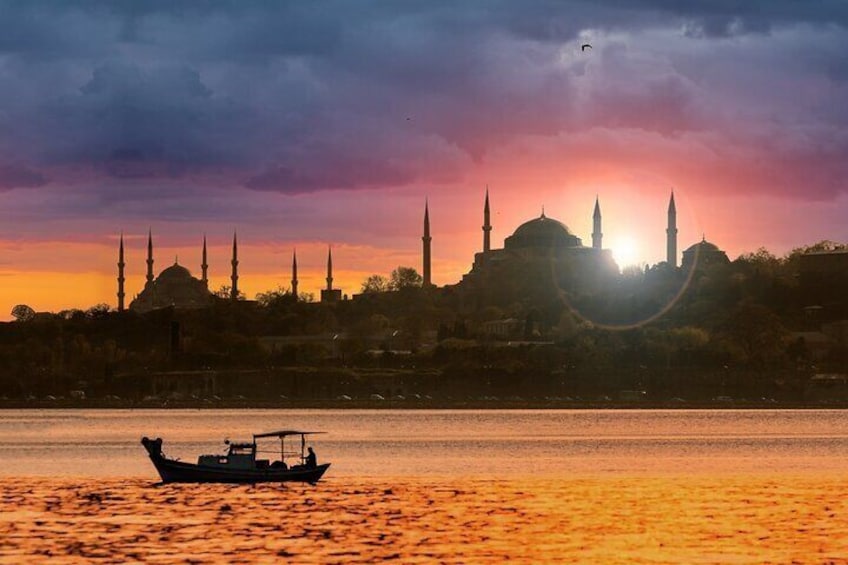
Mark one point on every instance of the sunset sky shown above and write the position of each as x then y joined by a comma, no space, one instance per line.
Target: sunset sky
308,124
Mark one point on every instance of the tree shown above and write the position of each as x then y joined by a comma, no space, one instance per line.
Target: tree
272,296
763,262
634,273
72,314
97,311
375,283
23,313
405,277
818,247
226,290
792,260
756,335
761,256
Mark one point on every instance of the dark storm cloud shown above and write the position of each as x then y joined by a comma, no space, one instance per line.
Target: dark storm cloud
306,96
552,20
721,18
38,31
132,122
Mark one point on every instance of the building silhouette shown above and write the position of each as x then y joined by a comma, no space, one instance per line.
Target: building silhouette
330,294
671,233
597,235
703,255
294,280
541,257
234,292
426,239
121,279
487,224
174,287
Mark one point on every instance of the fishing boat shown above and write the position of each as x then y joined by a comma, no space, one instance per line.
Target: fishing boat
240,465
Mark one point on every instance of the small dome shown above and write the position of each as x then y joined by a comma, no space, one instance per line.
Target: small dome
542,232
703,254
174,272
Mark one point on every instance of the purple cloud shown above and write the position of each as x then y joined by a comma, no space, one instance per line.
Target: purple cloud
302,97
15,175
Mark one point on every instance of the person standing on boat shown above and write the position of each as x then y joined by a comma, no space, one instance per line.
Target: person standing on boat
311,460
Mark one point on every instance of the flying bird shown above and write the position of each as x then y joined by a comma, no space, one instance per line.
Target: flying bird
585,46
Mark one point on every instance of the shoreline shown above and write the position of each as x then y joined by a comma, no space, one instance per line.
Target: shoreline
67,404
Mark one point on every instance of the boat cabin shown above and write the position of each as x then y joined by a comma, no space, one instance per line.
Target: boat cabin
239,456
242,455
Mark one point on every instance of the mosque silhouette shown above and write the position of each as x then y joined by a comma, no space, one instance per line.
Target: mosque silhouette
540,249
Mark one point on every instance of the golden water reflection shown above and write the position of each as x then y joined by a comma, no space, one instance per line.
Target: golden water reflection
744,519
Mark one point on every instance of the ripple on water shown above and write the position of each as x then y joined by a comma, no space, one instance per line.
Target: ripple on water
642,520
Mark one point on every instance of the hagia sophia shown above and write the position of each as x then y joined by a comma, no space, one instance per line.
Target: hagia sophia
541,248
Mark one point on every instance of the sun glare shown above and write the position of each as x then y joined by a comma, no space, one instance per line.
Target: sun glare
625,251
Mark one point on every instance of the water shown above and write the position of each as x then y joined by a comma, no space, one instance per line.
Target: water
442,443
444,485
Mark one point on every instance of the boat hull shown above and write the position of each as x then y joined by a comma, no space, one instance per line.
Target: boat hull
172,471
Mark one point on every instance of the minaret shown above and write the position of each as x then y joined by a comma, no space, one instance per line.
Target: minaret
203,266
329,269
671,233
121,279
329,294
597,236
426,239
234,277
294,275
149,258
487,225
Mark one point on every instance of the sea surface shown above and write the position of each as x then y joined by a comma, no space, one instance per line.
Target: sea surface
452,486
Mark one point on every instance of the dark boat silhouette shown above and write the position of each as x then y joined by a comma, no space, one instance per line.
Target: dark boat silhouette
240,464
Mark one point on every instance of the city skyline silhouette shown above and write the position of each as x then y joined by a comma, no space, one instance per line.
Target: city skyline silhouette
177,121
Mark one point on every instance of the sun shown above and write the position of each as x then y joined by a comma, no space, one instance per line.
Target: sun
625,251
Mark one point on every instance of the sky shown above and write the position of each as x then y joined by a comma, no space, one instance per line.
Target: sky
305,125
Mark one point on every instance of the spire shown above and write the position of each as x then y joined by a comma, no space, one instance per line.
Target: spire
203,266
671,233
487,225
329,268
121,279
234,277
597,235
426,217
149,257
543,212
294,275
426,239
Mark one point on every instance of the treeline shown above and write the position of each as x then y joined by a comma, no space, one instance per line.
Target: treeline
727,328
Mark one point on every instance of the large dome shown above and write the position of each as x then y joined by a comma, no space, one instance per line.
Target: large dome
174,272
542,232
174,287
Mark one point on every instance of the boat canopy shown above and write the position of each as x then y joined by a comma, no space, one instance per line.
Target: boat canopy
239,444
284,433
